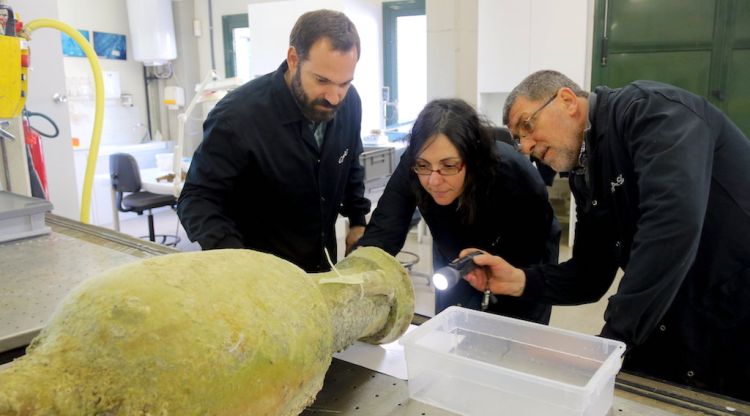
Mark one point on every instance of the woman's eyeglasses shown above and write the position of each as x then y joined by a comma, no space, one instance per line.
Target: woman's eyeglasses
446,169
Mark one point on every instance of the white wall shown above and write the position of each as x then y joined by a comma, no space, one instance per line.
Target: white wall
187,73
504,44
111,17
452,49
51,72
368,78
271,22
517,38
559,32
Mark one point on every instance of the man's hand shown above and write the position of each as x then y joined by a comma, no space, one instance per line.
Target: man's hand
355,233
504,279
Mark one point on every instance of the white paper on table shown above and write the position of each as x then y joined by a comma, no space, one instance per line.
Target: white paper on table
385,358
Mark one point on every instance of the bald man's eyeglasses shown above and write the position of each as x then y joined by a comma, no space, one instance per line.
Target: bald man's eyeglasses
526,126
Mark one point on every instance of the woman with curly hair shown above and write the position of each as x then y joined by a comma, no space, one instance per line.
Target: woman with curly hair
472,191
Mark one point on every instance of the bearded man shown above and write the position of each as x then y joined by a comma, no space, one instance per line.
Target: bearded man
279,159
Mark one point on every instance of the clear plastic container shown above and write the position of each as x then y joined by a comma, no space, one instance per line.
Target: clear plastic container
475,363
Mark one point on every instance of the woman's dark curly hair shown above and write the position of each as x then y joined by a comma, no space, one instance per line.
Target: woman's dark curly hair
471,134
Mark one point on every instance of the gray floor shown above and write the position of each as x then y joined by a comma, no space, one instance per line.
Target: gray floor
583,318
165,222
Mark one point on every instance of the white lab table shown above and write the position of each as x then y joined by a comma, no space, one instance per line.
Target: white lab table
149,182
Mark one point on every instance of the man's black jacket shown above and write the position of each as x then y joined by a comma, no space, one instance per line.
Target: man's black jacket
666,197
259,181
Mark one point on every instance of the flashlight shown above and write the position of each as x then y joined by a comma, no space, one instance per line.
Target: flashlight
447,277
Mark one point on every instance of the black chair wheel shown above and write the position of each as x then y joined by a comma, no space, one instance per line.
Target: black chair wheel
164,239
408,260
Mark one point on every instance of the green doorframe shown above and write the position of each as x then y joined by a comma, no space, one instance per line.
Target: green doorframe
228,24
391,12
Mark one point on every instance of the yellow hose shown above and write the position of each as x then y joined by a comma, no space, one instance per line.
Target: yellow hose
88,179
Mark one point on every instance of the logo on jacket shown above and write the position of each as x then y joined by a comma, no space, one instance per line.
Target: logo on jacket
618,181
343,156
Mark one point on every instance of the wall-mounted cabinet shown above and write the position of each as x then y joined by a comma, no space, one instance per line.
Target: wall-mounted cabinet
516,38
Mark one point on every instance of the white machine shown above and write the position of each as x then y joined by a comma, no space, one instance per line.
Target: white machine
211,90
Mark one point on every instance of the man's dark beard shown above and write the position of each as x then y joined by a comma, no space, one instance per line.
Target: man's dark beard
307,106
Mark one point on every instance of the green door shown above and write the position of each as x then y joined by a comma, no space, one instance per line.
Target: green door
736,100
702,46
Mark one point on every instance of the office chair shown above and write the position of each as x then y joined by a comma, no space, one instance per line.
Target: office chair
126,178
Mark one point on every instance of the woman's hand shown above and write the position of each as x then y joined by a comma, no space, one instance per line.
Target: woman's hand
496,274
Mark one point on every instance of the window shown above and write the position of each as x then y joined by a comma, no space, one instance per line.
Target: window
236,38
404,60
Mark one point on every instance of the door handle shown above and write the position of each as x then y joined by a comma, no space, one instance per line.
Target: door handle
59,98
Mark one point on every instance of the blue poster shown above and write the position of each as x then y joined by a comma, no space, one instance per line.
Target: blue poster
70,47
110,45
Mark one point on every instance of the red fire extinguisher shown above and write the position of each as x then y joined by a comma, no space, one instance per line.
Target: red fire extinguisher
37,171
